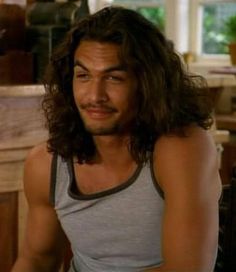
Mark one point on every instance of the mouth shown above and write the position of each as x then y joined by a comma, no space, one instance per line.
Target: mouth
95,112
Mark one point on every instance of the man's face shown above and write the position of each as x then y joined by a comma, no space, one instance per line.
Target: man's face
104,90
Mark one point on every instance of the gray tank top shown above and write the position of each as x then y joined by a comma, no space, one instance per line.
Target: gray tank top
117,230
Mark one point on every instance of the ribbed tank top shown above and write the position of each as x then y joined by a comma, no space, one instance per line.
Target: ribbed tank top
117,230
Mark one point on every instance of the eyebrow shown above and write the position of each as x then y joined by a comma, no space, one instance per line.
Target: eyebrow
119,67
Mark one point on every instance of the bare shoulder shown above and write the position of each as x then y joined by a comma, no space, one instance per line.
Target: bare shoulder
195,137
196,143
38,151
37,173
191,159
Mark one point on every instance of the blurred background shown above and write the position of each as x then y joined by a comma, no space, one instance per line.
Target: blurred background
203,32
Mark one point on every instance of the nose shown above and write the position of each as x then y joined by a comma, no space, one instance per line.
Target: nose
98,92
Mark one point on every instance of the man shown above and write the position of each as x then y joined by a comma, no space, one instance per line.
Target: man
129,173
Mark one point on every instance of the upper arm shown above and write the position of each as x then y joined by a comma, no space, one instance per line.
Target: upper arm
44,238
187,170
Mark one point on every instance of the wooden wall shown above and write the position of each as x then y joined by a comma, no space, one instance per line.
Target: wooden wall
21,127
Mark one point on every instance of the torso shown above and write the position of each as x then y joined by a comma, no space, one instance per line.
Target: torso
110,227
94,178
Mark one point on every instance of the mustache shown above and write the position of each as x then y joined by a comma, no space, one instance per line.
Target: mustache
97,107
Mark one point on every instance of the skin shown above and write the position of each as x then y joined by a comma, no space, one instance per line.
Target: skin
185,167
104,94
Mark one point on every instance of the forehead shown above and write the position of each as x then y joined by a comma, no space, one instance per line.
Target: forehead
98,53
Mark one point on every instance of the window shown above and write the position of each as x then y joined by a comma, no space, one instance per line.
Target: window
153,10
208,26
214,16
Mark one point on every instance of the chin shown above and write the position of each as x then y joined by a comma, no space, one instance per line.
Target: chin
112,128
115,129
103,131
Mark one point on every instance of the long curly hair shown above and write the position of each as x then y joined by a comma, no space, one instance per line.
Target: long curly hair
169,98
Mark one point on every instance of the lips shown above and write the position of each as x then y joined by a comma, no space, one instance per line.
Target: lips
98,112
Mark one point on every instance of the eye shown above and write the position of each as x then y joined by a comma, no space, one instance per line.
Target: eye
82,76
115,78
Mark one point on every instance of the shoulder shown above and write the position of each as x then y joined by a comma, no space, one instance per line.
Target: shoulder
38,160
37,172
188,161
38,151
194,138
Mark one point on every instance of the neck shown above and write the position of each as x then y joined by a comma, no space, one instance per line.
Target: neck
112,150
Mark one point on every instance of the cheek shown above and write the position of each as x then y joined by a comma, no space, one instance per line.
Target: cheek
77,93
74,89
77,99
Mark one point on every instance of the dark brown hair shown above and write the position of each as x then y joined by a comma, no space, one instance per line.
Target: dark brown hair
169,99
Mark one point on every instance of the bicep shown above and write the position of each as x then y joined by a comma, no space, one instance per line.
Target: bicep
188,173
44,238
190,232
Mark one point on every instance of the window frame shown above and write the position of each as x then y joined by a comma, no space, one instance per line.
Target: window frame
195,34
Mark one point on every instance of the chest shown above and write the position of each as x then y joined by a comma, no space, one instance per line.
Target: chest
95,179
118,224
112,226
